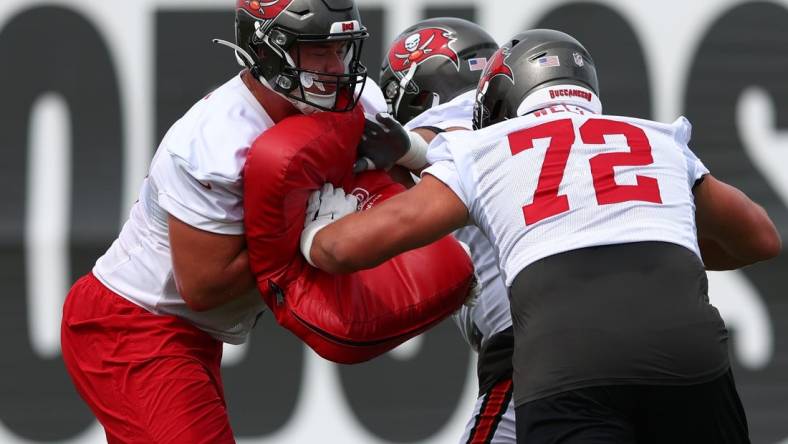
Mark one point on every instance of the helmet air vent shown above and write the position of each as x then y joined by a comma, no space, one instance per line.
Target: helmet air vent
538,56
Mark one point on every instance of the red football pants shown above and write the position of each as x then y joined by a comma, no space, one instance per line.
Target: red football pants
148,378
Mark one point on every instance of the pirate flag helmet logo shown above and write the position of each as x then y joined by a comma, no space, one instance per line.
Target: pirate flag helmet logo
265,10
416,48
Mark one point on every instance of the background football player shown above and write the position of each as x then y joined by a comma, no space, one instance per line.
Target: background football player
429,77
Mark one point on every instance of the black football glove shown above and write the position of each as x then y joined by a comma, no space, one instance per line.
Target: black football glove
383,143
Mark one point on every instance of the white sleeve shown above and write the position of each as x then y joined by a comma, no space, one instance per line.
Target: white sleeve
695,168
446,172
440,149
208,203
456,123
455,113
444,168
372,99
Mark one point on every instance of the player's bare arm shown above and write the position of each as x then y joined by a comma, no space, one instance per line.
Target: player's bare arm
417,217
428,134
733,231
210,269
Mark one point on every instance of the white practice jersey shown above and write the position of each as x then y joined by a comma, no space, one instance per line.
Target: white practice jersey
195,176
563,179
457,112
372,99
490,314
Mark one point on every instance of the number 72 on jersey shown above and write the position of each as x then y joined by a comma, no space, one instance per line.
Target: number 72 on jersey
547,202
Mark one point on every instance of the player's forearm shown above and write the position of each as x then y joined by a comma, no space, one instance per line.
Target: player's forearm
328,257
365,240
752,237
345,247
763,240
741,228
715,258
409,220
213,289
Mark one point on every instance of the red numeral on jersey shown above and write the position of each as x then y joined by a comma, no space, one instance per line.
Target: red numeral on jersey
547,202
593,132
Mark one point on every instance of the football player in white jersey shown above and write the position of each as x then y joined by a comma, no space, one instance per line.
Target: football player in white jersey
602,226
142,333
435,91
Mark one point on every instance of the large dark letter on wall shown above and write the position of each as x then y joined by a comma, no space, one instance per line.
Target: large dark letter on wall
374,46
623,78
39,48
745,48
263,389
409,400
188,64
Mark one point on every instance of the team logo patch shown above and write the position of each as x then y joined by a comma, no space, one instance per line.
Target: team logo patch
360,193
497,66
266,10
340,27
422,45
365,200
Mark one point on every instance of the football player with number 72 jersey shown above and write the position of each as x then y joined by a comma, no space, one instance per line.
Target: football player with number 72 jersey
603,227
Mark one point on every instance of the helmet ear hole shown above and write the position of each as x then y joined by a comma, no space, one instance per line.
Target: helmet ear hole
537,56
424,98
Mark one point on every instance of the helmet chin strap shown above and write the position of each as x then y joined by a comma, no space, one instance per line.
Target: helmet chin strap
246,60
326,101
305,108
403,83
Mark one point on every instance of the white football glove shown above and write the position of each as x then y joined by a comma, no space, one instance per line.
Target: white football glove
463,318
324,207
